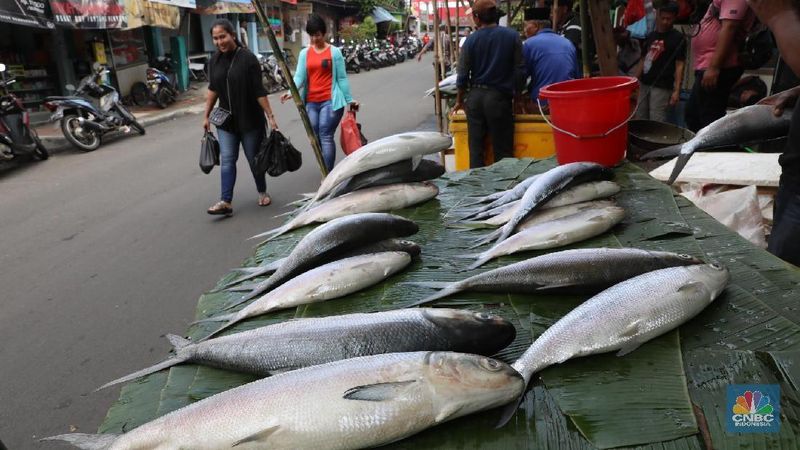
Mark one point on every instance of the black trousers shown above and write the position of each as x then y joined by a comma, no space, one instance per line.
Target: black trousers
784,242
705,106
489,112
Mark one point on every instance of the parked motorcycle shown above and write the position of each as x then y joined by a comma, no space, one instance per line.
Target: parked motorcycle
16,135
271,74
161,86
350,54
83,123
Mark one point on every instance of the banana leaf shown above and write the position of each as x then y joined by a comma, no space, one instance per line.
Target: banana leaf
669,394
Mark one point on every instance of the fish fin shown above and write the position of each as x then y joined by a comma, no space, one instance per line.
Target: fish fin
178,342
665,152
632,329
680,163
415,160
629,347
260,436
692,287
378,392
446,413
508,412
221,318
242,287
167,363
86,441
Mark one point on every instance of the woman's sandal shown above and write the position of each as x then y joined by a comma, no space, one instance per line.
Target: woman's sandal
221,209
264,200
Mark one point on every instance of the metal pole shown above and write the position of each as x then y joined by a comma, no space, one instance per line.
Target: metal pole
287,74
585,39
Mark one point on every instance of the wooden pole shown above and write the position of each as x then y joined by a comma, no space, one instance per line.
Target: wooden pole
287,75
449,32
458,31
437,71
587,71
603,37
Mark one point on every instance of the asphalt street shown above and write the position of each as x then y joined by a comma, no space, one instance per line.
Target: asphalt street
103,253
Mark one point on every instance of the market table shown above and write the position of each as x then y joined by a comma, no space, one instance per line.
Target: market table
669,394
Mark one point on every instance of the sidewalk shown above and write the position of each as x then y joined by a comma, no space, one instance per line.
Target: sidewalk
190,102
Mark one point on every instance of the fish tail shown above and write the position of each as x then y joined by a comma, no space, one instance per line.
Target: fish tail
273,233
665,152
219,318
447,291
287,213
231,323
255,292
481,261
86,441
428,284
241,288
169,362
486,239
680,163
231,286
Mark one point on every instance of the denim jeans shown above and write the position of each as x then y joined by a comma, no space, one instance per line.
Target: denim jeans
324,121
229,153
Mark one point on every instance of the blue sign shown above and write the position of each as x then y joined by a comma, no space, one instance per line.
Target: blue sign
753,408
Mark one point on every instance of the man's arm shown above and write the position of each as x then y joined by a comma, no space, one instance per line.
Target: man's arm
676,89
462,80
725,45
782,19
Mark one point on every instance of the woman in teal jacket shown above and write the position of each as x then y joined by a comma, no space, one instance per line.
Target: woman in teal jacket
322,79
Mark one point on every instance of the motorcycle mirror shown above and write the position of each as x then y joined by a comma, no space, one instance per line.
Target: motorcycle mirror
2,67
97,66
70,87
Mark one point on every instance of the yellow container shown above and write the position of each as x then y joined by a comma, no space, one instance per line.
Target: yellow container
533,138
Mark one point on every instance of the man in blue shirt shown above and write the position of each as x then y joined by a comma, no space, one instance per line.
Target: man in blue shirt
490,66
549,58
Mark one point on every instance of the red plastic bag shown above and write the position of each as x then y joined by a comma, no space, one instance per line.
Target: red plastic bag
351,137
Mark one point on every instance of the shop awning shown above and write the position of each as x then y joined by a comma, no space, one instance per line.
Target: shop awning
33,14
148,12
382,15
181,3
211,7
89,15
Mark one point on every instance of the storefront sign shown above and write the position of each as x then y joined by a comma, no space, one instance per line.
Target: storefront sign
34,13
181,3
147,12
224,7
89,14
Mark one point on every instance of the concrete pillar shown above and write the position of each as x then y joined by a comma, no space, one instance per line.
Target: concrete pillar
64,67
252,35
180,55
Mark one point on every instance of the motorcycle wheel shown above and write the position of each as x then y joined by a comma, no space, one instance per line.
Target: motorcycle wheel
356,69
88,144
39,152
163,98
139,94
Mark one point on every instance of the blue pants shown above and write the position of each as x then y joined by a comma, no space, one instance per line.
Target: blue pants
229,153
324,121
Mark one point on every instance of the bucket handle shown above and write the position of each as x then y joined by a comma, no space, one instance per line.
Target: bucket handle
594,136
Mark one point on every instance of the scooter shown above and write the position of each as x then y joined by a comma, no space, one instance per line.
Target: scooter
271,74
16,135
83,123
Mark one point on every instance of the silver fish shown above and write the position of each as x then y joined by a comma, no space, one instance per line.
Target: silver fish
328,241
333,280
550,184
570,271
355,403
399,172
308,342
376,199
747,125
556,233
509,196
381,153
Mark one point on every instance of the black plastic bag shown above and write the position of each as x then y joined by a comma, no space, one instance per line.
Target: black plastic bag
209,152
277,155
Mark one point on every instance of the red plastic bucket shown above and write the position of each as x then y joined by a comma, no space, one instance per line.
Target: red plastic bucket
590,118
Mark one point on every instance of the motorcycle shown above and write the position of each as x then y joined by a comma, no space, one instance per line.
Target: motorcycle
161,85
16,135
83,123
352,64
271,74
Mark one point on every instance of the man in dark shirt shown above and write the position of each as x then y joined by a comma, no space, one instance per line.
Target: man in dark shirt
568,24
661,70
490,67
783,19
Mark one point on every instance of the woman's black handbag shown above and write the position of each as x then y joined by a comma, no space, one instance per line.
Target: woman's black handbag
220,116
209,152
277,155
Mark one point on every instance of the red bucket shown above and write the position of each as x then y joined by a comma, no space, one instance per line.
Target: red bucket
590,118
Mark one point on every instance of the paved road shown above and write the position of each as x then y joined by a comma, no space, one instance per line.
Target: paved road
102,253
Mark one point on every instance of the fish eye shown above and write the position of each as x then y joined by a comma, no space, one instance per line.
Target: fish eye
491,364
483,316
684,256
716,266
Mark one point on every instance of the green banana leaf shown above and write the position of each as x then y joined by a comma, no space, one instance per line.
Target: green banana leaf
668,394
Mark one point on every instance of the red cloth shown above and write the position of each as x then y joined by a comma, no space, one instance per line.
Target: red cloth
633,12
319,67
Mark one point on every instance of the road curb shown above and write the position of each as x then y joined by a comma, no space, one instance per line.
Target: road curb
57,144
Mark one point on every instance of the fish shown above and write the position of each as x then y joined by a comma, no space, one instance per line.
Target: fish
355,403
579,194
333,280
555,233
578,271
513,194
381,153
326,242
399,172
308,342
375,199
550,184
624,316
541,216
751,124
446,86
388,245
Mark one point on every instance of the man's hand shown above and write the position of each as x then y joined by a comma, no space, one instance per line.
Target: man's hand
354,106
285,97
459,106
780,102
767,10
273,125
710,78
674,98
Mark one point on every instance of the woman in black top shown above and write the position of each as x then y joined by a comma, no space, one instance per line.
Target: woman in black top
236,72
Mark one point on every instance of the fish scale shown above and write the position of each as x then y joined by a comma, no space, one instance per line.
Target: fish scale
355,403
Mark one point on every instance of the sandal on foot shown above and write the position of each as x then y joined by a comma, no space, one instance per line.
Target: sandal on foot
264,200
220,209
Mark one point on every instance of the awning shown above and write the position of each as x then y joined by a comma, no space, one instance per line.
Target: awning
33,14
382,15
211,7
89,15
148,12
181,3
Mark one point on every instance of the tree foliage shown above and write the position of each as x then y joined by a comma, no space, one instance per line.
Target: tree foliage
365,30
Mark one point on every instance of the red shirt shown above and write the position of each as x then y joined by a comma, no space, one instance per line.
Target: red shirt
319,67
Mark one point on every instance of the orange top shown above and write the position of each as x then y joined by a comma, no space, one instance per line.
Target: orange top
320,75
